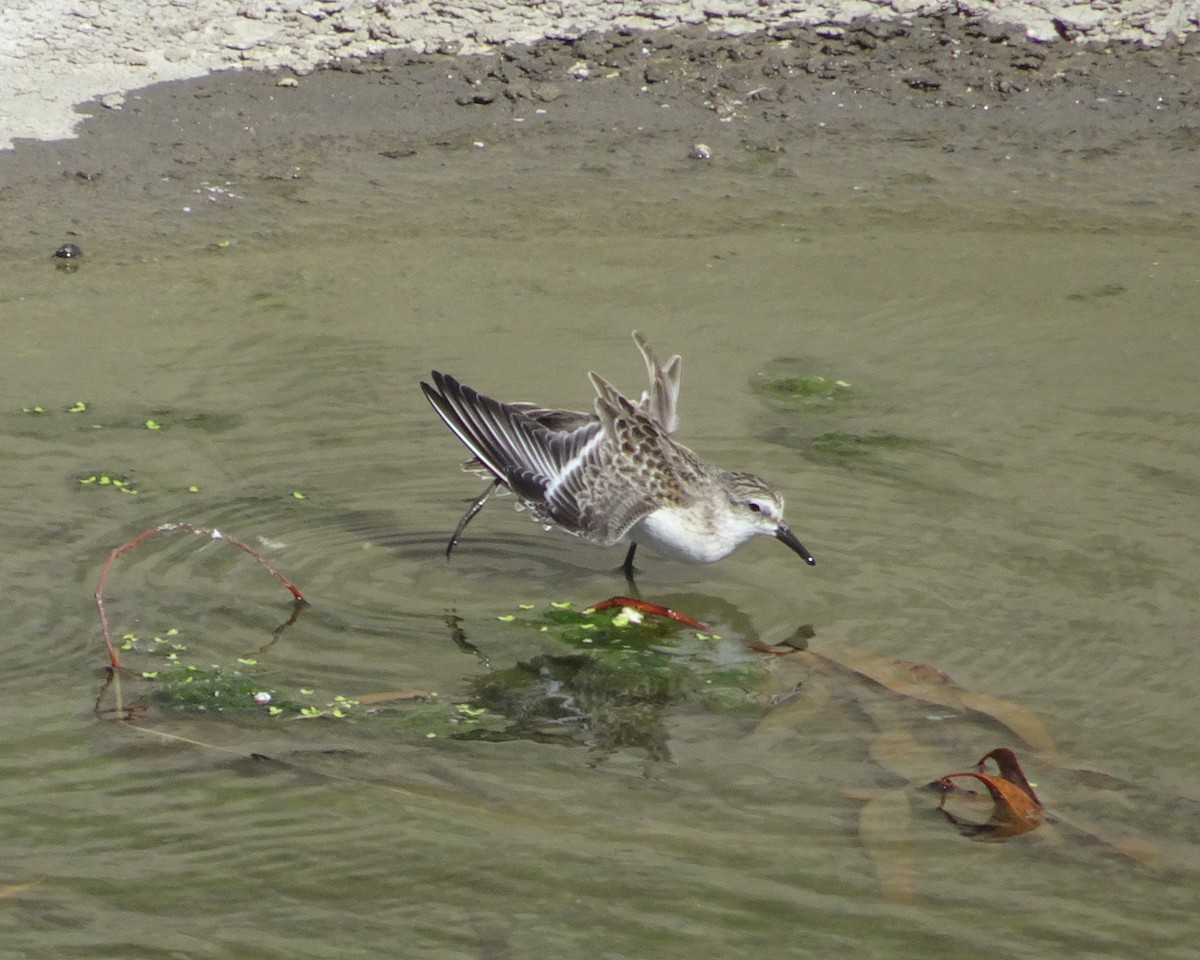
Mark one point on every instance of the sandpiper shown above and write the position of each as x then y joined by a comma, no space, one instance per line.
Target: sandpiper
613,474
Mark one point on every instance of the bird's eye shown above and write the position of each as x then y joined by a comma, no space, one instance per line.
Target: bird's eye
754,507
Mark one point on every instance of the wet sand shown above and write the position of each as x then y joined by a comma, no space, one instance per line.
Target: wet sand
956,110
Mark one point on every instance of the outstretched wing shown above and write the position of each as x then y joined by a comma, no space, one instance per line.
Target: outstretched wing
565,476
572,468
516,449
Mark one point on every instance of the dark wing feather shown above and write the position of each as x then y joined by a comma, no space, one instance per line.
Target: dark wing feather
508,439
560,421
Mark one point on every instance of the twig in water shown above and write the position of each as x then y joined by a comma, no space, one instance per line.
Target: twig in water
214,534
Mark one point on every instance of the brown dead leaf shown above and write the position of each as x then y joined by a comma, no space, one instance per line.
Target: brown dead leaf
1015,807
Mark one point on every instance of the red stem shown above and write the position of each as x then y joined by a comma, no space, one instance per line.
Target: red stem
168,528
655,608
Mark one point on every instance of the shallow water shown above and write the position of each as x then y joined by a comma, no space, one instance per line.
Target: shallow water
1036,540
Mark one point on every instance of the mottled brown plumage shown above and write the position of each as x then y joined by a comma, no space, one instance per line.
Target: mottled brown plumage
613,474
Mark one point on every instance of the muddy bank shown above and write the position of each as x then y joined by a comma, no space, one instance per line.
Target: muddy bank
56,53
952,109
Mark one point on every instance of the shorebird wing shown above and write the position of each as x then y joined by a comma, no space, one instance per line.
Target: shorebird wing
574,469
560,421
605,490
591,498
511,440
661,401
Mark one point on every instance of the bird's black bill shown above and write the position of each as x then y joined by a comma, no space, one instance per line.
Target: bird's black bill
785,535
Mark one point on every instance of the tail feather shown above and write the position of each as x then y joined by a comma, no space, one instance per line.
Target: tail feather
661,401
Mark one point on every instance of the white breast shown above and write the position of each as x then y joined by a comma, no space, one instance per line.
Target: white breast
690,534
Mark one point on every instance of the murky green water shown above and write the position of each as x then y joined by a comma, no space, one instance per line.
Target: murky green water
1036,538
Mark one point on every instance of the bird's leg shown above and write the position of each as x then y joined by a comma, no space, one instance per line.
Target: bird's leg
469,515
627,568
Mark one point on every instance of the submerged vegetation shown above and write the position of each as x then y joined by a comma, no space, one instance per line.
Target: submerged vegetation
241,689
797,384
842,443
813,410
802,388
627,667
605,680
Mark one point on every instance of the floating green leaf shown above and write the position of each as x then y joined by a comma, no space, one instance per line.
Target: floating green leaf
116,481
